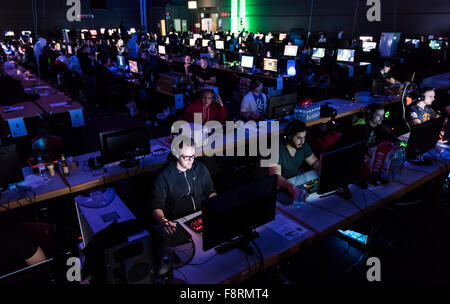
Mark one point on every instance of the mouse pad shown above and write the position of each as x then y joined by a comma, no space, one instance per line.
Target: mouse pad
284,197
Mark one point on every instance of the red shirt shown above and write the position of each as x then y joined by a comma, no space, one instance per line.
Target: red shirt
213,112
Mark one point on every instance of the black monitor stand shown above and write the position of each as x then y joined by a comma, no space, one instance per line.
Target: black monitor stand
242,242
421,161
129,162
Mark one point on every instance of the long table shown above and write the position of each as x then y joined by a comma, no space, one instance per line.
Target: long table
317,218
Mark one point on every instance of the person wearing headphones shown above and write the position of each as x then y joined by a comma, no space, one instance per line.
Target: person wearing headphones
421,111
181,186
211,107
371,128
293,152
254,103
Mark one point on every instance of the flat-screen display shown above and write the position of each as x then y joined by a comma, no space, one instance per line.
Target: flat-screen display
290,50
318,52
270,64
247,61
346,55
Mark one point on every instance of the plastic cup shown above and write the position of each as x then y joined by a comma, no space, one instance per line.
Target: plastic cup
51,169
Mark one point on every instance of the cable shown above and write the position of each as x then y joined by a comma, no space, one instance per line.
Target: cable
184,276
260,255
326,209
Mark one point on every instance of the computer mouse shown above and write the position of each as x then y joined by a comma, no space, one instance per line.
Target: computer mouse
284,197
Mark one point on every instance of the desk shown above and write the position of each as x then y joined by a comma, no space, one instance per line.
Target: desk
232,267
55,187
57,104
439,82
30,109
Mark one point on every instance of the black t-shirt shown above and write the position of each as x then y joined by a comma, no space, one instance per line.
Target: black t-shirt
205,74
16,247
380,82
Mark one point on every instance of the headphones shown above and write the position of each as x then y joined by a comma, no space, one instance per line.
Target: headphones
290,127
371,109
422,93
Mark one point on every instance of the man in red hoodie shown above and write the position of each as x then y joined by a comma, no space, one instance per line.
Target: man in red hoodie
210,106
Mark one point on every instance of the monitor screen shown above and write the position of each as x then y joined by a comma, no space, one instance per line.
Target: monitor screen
228,38
267,39
121,61
318,52
368,46
346,55
82,36
270,64
247,61
9,33
414,42
133,66
282,36
167,41
69,49
220,45
11,169
26,33
237,212
205,42
191,42
435,44
366,38
124,144
290,50
58,47
216,37
161,49
341,167
93,32
197,36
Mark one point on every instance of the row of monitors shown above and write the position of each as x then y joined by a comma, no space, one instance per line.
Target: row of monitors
132,64
344,55
434,44
289,50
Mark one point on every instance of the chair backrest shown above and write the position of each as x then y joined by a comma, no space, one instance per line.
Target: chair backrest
42,234
47,143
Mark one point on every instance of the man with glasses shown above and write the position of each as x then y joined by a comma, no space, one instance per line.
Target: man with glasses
181,186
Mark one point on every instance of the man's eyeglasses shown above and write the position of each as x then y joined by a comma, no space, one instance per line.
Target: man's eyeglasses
186,157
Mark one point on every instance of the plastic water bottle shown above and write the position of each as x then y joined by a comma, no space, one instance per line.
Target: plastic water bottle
297,112
41,167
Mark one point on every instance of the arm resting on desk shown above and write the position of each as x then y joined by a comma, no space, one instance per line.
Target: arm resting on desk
281,181
313,161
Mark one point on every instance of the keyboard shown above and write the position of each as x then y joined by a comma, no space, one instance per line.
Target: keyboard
312,186
195,224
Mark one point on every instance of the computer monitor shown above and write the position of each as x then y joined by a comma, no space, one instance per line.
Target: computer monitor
366,38
280,106
247,61
341,167
9,34
414,42
197,36
234,214
228,38
346,55
423,137
11,171
124,144
435,44
270,65
191,42
26,33
82,36
58,47
167,41
318,53
216,37
69,49
93,32
282,36
368,46
267,39
121,62
205,42
290,50
133,65
161,49
220,45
